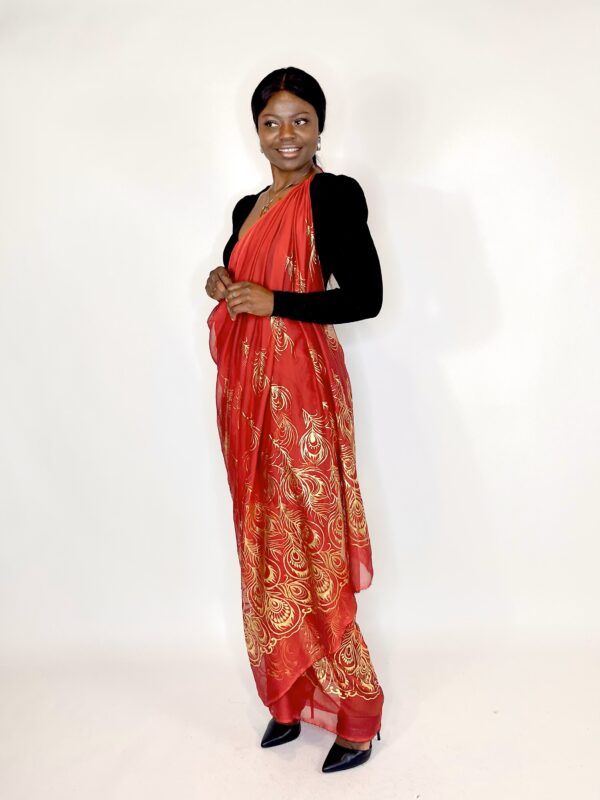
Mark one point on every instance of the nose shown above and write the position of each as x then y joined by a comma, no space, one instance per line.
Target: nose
286,131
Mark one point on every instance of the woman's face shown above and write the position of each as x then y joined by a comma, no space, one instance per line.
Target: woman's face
288,129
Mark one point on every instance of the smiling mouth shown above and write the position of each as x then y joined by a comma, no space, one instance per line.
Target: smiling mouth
288,151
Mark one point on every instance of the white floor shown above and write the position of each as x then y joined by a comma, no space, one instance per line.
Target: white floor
459,724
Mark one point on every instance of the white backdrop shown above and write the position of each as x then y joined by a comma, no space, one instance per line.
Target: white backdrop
126,138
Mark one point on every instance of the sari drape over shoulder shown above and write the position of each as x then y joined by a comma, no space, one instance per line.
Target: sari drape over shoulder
285,421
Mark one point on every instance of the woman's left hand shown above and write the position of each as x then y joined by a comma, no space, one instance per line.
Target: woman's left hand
248,297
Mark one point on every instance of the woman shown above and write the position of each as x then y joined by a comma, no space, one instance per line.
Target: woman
284,413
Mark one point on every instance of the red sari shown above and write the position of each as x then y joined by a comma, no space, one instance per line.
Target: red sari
285,420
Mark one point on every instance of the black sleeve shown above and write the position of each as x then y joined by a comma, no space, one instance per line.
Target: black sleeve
346,249
241,210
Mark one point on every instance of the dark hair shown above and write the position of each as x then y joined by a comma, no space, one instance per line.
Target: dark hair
293,80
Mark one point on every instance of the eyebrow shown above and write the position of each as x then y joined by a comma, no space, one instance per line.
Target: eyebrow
294,114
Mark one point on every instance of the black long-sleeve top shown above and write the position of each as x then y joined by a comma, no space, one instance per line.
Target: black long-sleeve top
345,248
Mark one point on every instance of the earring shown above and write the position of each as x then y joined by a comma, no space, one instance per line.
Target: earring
319,143
261,150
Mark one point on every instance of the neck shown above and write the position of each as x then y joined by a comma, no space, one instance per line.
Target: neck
282,177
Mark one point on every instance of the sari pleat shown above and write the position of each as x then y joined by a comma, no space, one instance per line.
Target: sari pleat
286,427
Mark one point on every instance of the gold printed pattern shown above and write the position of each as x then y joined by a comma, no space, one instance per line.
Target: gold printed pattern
349,671
312,505
260,381
290,267
332,339
313,445
281,338
281,400
318,363
313,260
297,279
254,432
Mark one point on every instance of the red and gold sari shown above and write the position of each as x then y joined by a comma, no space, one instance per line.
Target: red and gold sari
285,420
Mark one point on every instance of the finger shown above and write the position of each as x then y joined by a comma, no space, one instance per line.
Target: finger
239,285
225,278
235,302
220,286
241,306
215,292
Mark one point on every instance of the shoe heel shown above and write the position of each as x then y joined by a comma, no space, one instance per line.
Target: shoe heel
378,736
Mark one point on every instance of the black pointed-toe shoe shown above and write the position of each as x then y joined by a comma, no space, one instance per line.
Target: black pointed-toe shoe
340,757
280,733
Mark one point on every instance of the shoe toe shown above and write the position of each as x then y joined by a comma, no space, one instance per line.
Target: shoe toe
340,757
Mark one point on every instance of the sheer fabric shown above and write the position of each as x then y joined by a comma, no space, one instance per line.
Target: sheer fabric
285,421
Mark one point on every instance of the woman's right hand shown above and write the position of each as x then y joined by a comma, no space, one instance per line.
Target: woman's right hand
219,280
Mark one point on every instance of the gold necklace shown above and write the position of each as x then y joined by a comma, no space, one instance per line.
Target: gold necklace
269,203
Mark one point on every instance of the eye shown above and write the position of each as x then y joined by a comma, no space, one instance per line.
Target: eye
303,120
270,122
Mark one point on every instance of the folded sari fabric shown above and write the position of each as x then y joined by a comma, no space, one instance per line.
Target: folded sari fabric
286,427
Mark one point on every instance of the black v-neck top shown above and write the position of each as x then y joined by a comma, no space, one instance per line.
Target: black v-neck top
345,249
